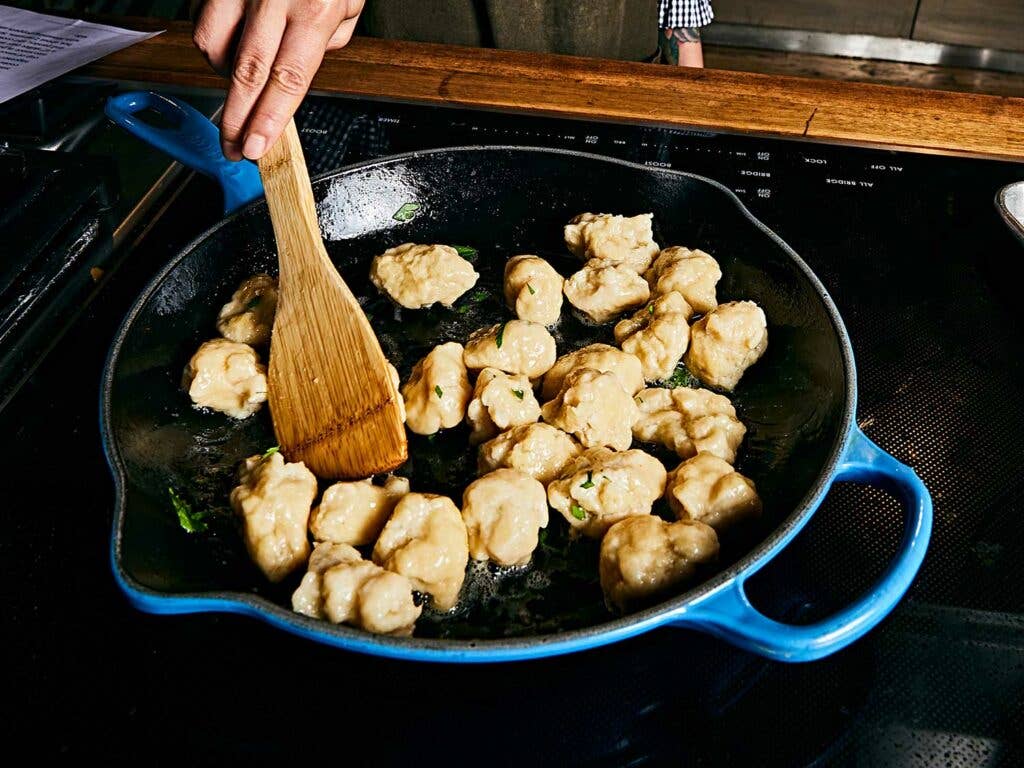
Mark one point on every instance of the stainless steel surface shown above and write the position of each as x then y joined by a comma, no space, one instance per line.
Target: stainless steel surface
1010,202
864,47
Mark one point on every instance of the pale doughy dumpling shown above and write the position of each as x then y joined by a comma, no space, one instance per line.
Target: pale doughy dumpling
249,316
725,342
504,511
538,450
273,499
417,276
602,486
657,335
533,289
425,540
593,407
603,290
693,273
500,401
227,376
602,357
626,240
644,557
342,587
688,420
708,489
438,390
517,347
355,512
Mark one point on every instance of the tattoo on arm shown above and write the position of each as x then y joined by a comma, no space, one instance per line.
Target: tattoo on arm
671,39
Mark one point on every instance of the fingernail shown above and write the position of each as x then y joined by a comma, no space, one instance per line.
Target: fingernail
231,152
254,146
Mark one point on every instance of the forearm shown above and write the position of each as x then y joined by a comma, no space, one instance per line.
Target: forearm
682,46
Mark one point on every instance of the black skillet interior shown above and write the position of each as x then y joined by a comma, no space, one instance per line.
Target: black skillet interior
501,202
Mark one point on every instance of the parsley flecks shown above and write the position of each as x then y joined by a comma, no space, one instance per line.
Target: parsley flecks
479,295
531,289
191,522
438,391
681,377
407,212
501,335
519,393
578,512
253,303
650,308
467,252
590,480
270,452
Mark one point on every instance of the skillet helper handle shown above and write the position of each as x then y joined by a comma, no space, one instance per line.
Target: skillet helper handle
191,139
729,614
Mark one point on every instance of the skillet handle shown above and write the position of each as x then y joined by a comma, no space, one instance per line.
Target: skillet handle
190,139
728,613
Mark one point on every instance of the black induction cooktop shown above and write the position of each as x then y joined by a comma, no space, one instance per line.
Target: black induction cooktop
918,261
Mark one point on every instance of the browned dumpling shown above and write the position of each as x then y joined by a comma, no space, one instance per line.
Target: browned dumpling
708,489
354,512
603,290
603,486
725,342
533,289
692,273
516,347
625,240
602,357
504,511
417,276
227,376
689,420
538,450
438,391
249,317
657,335
594,408
644,557
500,401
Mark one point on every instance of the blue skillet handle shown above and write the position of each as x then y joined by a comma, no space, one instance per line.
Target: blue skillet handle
191,140
729,614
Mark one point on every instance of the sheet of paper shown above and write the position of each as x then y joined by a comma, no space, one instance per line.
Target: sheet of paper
35,48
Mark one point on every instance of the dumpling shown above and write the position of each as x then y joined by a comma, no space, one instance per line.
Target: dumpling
227,376
593,407
657,335
725,342
533,289
644,557
708,489
603,290
354,512
273,500
602,486
538,450
602,357
438,391
417,276
342,587
694,274
688,420
517,347
504,511
625,240
249,317
425,540
500,401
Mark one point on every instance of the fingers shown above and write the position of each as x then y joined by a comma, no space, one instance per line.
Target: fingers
215,29
257,50
342,34
302,50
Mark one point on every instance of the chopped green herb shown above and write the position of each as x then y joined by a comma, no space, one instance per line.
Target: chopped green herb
465,251
479,294
253,303
681,377
578,512
519,393
438,391
462,310
406,212
270,452
650,308
191,522
531,289
501,336
639,399
590,480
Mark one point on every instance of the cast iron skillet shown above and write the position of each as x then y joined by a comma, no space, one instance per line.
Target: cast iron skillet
798,401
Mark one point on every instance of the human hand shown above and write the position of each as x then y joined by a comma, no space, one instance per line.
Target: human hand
280,44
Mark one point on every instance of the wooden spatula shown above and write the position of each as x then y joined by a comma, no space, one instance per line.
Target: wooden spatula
332,401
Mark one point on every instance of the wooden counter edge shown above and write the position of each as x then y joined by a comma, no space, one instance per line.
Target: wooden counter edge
596,89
